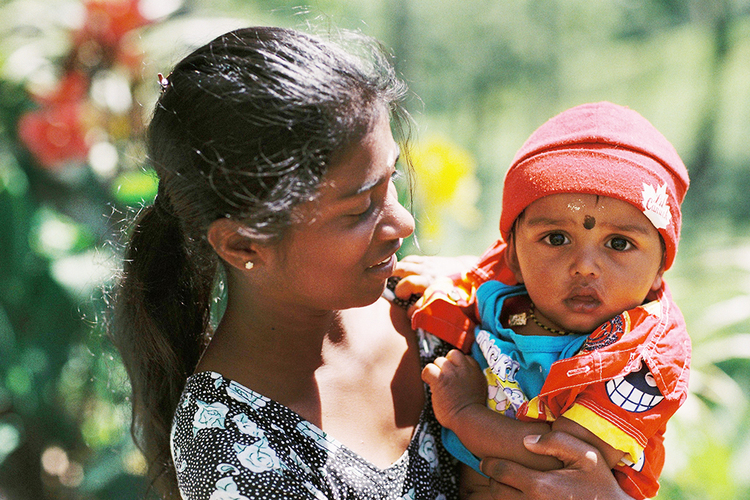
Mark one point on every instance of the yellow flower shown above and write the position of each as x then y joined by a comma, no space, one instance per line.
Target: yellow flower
446,185
440,167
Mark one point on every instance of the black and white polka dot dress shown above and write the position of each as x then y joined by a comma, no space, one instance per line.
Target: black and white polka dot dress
231,443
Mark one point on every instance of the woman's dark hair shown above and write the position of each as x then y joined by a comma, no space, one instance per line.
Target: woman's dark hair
245,128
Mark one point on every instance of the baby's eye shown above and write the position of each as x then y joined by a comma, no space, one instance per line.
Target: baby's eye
619,244
556,239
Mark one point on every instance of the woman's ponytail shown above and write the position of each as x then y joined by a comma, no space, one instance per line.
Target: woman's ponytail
245,128
161,313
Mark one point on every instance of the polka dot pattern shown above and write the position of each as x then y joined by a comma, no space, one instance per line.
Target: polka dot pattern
231,443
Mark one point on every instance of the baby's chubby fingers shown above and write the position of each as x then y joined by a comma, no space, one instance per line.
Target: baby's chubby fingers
453,365
457,357
436,371
411,265
462,361
413,284
456,382
431,373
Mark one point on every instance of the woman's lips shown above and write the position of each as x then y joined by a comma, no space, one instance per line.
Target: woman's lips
389,260
385,262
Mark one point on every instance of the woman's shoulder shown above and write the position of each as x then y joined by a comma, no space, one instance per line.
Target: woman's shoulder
228,438
212,401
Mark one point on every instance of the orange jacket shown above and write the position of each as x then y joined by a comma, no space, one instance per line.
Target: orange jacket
624,384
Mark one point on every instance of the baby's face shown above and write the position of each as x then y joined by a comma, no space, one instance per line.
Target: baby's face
585,259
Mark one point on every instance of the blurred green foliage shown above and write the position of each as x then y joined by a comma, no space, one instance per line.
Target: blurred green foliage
486,73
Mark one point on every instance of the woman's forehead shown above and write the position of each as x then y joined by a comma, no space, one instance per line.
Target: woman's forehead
365,164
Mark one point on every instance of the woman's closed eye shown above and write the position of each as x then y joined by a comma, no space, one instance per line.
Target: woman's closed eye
395,176
370,203
364,210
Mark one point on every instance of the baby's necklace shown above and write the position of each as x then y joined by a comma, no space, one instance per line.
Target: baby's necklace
539,323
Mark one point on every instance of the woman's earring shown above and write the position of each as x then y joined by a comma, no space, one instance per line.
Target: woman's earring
249,264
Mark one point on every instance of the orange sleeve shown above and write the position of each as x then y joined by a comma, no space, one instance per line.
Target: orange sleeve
448,307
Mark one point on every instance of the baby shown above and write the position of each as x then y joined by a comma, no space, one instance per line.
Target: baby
568,320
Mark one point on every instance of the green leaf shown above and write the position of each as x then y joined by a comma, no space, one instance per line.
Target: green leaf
133,188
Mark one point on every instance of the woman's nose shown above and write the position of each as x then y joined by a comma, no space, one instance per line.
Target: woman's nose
397,221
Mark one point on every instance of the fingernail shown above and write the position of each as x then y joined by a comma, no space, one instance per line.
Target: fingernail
532,438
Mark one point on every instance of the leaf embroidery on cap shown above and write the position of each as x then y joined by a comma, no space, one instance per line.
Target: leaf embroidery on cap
655,205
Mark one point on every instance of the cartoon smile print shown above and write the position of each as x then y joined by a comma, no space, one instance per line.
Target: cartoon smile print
636,392
638,466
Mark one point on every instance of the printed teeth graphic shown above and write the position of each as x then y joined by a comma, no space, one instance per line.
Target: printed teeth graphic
635,466
629,398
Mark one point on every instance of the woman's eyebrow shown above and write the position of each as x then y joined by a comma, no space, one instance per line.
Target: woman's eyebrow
368,185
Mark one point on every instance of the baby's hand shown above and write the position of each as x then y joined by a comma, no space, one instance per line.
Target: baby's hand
457,382
419,271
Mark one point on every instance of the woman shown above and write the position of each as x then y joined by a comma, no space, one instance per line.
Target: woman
275,160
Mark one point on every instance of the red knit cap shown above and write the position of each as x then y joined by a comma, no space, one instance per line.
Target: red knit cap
601,149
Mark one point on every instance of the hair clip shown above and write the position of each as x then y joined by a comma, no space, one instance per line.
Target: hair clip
163,82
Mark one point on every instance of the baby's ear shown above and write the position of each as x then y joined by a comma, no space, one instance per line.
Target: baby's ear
511,259
658,281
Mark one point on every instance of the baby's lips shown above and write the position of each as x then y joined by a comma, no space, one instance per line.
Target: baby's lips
584,298
583,302
586,294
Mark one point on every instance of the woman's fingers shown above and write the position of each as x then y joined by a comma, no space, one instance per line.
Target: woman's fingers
584,476
572,452
410,265
433,266
507,478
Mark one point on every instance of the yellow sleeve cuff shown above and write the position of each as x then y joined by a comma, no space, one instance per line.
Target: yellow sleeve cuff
606,431
537,411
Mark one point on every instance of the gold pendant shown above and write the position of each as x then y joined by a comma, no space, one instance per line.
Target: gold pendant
517,319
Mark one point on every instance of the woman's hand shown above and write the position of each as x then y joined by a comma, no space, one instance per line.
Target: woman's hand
584,476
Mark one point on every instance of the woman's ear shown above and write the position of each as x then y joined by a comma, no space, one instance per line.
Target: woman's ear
235,248
511,259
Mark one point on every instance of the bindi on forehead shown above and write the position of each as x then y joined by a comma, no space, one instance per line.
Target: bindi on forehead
589,222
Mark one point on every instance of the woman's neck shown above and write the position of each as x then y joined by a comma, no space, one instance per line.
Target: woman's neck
272,337
354,373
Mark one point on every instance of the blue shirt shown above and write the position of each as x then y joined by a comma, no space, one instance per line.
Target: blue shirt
531,355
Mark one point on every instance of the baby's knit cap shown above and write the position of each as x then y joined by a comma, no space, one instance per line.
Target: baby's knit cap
601,149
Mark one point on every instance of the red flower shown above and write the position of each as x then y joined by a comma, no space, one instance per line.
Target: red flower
55,135
108,21
72,88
